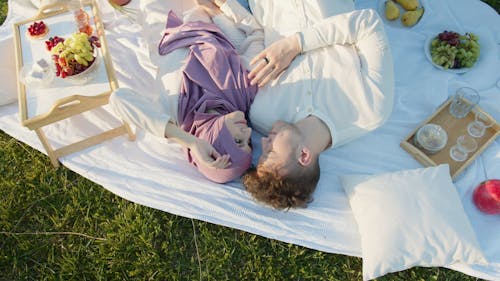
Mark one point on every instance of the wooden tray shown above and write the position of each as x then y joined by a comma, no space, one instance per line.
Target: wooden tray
36,104
39,107
454,128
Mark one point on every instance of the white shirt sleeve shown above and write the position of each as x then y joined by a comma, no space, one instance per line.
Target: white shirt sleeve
364,30
139,111
346,29
241,28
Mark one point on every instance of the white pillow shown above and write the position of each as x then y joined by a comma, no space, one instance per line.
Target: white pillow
410,218
8,87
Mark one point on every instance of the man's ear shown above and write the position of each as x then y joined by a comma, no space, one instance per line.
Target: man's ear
305,156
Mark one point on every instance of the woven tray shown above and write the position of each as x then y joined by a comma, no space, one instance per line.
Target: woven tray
454,128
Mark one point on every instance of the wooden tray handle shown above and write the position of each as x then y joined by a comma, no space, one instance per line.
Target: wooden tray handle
51,9
77,100
67,101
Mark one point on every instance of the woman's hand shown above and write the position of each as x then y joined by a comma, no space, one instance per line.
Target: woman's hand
210,6
201,150
206,155
274,59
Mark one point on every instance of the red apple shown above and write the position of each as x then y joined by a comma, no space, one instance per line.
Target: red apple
487,197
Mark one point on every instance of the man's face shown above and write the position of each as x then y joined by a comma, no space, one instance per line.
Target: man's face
279,147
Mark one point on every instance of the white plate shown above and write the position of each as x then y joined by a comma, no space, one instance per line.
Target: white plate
427,50
397,22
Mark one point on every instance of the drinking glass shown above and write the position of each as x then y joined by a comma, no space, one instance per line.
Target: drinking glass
463,101
478,127
460,151
38,74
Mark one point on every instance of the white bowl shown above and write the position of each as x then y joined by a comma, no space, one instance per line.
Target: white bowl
87,75
427,50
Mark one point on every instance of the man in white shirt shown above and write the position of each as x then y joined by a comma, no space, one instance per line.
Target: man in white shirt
326,78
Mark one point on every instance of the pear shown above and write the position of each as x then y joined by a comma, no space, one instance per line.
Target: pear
410,18
391,10
409,5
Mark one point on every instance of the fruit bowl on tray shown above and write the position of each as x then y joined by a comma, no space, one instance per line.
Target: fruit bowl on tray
452,51
87,74
76,57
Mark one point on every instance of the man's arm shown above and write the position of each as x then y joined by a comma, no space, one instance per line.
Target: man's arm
274,59
361,28
350,28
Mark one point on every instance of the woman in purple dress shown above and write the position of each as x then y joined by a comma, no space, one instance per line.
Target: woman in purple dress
212,103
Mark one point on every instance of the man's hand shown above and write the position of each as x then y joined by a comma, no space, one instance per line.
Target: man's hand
206,155
274,59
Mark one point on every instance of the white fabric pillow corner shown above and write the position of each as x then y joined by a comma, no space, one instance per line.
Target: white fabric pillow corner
8,90
410,218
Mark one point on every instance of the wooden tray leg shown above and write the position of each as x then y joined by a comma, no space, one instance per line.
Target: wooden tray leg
85,143
131,135
48,148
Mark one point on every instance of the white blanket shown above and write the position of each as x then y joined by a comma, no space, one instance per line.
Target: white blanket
154,172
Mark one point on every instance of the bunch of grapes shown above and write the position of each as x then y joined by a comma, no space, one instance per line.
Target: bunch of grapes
452,50
73,55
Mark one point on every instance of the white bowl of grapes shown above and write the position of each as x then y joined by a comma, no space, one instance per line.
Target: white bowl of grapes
452,51
75,57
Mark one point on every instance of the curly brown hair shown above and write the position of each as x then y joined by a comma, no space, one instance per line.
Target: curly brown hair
283,192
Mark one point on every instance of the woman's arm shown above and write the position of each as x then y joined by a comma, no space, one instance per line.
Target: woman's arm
202,151
143,113
238,25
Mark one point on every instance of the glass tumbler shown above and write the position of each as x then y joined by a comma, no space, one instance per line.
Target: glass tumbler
37,74
463,101
82,19
460,151
478,127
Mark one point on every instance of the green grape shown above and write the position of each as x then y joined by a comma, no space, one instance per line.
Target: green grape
81,60
65,53
443,54
471,48
88,56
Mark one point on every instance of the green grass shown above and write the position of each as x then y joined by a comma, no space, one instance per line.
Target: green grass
57,225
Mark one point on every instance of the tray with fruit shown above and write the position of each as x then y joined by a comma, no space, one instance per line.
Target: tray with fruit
58,58
64,69
401,13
